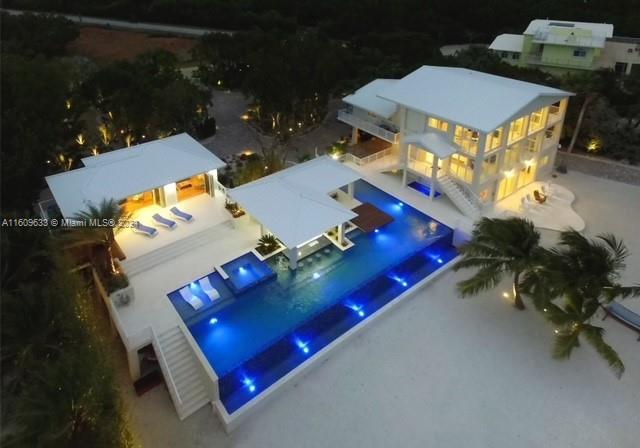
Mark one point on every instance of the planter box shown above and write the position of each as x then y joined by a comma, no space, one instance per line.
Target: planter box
122,297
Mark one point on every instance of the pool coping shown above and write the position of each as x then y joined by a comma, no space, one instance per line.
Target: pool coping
232,421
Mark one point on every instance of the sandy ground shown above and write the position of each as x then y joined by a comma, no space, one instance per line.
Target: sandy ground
445,372
106,45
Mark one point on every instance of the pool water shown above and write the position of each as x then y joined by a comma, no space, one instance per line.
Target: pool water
422,188
246,271
333,287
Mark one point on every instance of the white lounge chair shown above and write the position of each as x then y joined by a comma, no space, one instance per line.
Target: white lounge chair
192,300
208,288
186,217
138,227
168,223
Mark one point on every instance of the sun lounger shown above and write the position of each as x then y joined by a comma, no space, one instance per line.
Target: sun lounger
169,223
208,289
624,315
192,300
180,214
138,227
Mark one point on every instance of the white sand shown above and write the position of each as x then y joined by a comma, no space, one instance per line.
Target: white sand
445,372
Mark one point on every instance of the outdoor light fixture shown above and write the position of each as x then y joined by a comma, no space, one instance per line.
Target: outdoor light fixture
505,295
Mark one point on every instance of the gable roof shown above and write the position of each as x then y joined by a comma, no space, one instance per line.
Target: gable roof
294,203
366,97
128,171
508,42
473,99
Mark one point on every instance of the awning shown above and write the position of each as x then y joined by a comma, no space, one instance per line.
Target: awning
433,142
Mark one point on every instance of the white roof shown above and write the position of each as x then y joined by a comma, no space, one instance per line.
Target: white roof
434,142
601,29
507,42
473,99
294,203
125,172
366,97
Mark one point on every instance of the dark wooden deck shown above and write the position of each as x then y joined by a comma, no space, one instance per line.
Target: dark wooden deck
370,217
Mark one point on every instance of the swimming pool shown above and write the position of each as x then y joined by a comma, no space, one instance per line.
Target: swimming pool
329,293
246,271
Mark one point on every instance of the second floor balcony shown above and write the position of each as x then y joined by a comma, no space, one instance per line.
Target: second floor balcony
385,131
568,62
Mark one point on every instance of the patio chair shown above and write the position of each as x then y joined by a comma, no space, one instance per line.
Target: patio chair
208,288
624,315
539,197
186,217
168,223
192,300
138,227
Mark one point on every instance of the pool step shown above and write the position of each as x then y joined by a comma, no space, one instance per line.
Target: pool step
184,376
172,250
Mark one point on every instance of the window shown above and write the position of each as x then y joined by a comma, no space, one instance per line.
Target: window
467,139
494,139
518,129
421,161
536,122
462,167
580,52
621,67
544,161
441,125
515,56
511,156
504,54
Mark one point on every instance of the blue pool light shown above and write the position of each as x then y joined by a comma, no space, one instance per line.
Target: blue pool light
303,346
377,230
439,260
401,204
242,270
213,321
400,280
356,308
436,257
248,383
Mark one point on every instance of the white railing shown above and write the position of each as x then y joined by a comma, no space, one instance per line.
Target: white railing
367,126
467,192
368,159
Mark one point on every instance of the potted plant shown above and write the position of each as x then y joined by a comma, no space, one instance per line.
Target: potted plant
267,244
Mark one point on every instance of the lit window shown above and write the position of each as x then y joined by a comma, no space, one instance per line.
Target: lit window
438,124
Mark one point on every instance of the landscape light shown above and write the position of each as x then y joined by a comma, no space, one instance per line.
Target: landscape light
505,295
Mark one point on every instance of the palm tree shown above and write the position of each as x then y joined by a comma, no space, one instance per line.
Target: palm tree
584,274
110,216
499,247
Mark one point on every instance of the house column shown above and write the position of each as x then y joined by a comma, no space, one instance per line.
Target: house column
170,194
434,175
341,234
292,255
350,189
261,230
354,136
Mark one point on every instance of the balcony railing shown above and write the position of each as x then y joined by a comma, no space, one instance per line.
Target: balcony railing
368,126
559,62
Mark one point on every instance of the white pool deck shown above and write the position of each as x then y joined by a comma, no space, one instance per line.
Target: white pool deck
556,213
440,371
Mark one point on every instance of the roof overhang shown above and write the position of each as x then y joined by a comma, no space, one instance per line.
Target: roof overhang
294,204
433,142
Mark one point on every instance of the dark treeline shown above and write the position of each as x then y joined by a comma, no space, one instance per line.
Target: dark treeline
452,21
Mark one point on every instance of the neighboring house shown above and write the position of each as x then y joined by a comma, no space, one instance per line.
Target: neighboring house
473,136
558,47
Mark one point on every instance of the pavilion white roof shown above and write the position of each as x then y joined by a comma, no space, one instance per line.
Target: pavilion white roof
434,142
125,172
366,97
294,203
508,42
473,99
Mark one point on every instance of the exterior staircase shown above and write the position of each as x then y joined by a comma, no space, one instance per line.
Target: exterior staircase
183,374
464,199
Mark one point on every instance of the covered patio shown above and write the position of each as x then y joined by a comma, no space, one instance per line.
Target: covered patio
297,206
428,156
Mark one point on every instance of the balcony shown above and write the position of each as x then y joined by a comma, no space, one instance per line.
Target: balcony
536,59
377,130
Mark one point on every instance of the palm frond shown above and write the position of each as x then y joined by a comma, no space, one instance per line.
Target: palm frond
486,278
564,343
594,336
